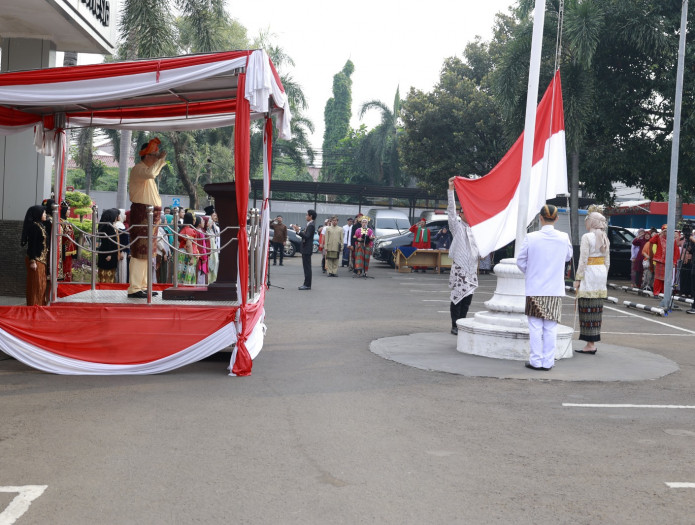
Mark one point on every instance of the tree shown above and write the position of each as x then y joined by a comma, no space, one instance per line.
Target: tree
349,159
297,151
382,141
454,130
618,65
148,29
337,115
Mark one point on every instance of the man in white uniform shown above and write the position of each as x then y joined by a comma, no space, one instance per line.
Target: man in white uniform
542,259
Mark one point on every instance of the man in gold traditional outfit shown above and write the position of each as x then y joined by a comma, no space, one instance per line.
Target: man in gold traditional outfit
143,192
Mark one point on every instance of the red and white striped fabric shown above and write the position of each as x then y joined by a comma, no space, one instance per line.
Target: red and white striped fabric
32,97
114,339
218,89
491,203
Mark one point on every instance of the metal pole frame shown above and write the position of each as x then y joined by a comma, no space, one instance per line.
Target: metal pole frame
95,223
150,229
675,147
55,256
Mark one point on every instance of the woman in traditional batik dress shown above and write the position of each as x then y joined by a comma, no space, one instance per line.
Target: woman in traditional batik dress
591,277
364,242
35,238
187,258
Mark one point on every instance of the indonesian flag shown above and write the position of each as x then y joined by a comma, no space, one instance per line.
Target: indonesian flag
491,203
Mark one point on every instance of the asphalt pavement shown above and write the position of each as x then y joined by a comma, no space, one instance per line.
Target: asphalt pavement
360,410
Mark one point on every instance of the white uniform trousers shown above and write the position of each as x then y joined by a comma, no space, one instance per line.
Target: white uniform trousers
543,337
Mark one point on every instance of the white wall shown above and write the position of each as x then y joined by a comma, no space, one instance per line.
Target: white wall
25,176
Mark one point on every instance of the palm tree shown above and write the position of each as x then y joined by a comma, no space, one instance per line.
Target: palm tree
85,155
382,142
298,151
583,22
148,29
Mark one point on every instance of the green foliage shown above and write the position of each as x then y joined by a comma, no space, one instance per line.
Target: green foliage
618,64
348,160
77,199
337,117
381,145
454,130
288,171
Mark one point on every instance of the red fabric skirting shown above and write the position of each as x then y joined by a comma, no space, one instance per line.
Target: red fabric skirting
114,334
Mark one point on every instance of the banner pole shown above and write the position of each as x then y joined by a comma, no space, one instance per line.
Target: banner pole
530,126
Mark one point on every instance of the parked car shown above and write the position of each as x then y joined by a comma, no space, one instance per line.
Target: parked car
620,250
291,244
388,222
384,247
432,215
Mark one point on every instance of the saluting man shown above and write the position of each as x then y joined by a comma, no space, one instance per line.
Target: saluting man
143,192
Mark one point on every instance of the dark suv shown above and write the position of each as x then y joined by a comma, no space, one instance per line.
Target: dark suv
620,240
620,249
384,247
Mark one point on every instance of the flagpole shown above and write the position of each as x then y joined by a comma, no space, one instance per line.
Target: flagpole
530,126
675,148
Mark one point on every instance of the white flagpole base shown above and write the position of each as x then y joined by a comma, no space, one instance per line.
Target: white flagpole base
502,331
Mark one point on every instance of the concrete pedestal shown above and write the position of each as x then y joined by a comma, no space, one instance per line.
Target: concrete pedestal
502,331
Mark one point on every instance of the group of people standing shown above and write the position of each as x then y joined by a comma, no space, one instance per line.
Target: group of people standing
542,258
648,258
197,260
119,259
352,243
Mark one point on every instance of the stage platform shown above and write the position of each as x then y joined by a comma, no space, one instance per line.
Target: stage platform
121,297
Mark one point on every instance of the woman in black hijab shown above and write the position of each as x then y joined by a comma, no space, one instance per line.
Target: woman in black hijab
109,253
35,238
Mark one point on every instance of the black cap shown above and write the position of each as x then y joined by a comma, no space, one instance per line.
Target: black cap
209,210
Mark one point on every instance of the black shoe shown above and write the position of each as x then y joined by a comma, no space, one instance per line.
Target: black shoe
304,288
275,264
138,295
691,311
529,365
280,264
154,294
590,352
455,330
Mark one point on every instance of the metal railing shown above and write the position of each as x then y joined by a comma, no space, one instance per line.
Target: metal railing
89,241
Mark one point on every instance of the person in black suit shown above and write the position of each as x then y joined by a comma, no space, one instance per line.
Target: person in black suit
307,246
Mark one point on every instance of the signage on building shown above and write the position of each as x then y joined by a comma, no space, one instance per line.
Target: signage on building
101,9
95,18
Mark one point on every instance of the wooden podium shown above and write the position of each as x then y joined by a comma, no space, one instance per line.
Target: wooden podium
224,289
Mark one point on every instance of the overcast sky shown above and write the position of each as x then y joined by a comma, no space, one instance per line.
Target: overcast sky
392,43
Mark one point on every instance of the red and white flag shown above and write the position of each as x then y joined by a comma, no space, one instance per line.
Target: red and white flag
491,203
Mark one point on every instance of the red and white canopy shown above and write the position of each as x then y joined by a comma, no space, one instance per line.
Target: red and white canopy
168,94
181,93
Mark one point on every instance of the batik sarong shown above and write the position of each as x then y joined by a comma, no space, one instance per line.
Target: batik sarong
186,268
138,228
548,307
362,255
590,313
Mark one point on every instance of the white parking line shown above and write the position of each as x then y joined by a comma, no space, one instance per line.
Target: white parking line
596,405
633,333
680,485
646,318
20,504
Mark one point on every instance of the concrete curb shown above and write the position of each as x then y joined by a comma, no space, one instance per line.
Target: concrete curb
437,352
